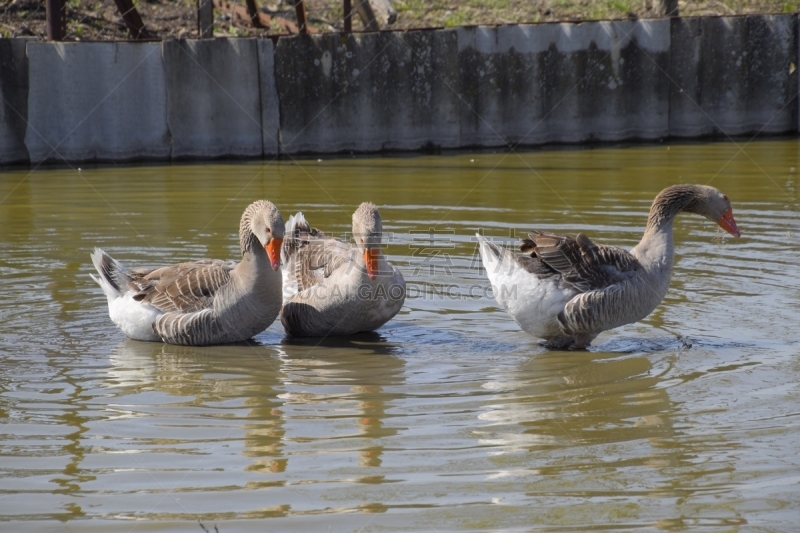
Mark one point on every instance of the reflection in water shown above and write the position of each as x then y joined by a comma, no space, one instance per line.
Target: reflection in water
75,475
558,399
358,376
692,422
227,378
331,381
583,423
132,364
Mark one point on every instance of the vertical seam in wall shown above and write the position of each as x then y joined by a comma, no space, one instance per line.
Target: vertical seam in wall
796,47
278,139
23,72
669,77
166,107
260,96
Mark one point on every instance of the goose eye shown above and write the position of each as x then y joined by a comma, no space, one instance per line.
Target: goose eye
269,231
724,197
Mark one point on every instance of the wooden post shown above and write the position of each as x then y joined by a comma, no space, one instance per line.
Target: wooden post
348,16
132,19
205,18
669,8
300,11
55,20
252,11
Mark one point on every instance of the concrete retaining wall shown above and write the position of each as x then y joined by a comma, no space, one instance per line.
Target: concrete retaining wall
270,112
14,106
466,87
96,101
564,82
214,103
368,92
733,75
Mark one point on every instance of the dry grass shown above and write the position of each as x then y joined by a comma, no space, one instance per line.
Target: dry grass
100,20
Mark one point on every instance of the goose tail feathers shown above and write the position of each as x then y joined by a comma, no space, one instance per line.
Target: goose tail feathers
489,250
297,223
113,277
295,226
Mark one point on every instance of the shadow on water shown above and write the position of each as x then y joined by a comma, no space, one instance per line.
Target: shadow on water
631,345
365,341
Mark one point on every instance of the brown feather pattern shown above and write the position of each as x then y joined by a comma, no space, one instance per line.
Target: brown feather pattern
314,256
185,287
578,262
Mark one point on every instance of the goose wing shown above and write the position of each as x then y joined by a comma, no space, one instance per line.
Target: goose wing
318,257
184,288
579,262
311,256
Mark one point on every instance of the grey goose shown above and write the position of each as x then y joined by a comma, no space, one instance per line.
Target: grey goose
201,302
567,290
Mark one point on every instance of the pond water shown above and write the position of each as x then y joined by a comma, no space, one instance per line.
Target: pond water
449,418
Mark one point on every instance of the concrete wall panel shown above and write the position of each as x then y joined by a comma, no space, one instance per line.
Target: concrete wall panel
213,92
14,105
564,82
498,82
368,92
731,75
104,101
270,112
477,86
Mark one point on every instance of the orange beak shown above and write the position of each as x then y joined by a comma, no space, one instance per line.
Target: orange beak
371,260
273,249
727,223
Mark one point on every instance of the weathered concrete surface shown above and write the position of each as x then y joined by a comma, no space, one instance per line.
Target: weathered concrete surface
213,91
368,92
564,82
270,112
731,75
466,87
104,101
14,106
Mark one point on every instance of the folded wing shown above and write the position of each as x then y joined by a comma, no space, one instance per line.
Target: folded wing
310,256
580,263
184,288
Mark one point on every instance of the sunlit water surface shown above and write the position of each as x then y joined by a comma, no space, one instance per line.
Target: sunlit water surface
449,418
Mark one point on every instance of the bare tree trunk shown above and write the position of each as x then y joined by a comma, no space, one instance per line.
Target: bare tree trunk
668,8
205,18
375,14
252,10
132,19
55,16
300,12
348,16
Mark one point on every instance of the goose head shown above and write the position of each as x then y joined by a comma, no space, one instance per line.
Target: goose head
715,206
700,199
367,230
262,225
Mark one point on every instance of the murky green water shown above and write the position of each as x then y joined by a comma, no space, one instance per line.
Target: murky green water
449,418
